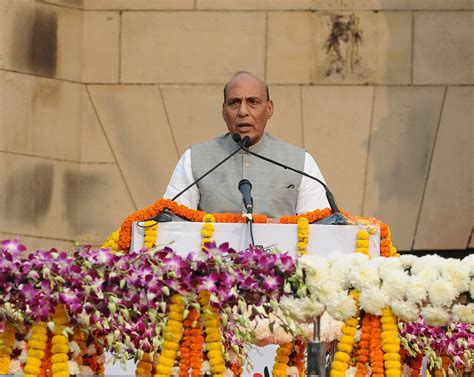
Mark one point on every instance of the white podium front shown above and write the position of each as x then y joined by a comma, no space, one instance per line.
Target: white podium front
184,237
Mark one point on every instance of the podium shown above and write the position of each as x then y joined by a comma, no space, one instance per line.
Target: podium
184,237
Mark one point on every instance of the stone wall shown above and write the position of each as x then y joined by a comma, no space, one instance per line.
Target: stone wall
99,98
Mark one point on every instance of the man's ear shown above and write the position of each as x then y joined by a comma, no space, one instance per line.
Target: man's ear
224,115
270,108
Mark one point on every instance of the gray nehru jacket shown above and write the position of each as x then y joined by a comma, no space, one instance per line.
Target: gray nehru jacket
274,189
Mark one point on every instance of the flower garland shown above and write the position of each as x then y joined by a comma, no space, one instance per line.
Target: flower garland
376,353
45,370
7,338
145,365
191,346
151,232
281,360
207,230
172,336
36,349
313,216
363,352
80,340
112,241
213,336
346,343
303,235
390,344
298,357
59,344
99,345
179,210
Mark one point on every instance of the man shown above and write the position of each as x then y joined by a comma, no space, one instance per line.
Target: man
276,191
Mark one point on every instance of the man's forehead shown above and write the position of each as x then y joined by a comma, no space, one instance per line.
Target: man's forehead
251,85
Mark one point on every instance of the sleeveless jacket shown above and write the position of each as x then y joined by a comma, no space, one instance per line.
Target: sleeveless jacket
274,189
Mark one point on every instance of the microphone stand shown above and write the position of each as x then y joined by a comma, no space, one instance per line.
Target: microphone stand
336,218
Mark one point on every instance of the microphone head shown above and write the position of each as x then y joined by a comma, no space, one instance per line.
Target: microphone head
245,141
237,138
244,181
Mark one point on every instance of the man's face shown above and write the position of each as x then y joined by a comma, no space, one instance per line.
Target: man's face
246,108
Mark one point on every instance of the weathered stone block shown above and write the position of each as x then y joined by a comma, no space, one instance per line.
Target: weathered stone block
291,53
443,52
286,122
406,4
195,113
138,4
446,212
363,47
42,39
404,125
336,123
40,116
101,47
191,47
269,4
136,126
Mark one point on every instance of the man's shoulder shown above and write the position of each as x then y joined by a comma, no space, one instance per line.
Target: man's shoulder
274,141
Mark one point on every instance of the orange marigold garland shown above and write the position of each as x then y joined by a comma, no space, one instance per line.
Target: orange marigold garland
7,338
313,216
363,351
191,345
376,353
298,357
145,365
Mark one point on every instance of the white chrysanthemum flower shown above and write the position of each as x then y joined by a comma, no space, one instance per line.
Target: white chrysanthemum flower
395,284
373,300
15,367
292,372
351,372
74,349
73,368
317,274
457,273
471,288
442,292
310,307
435,316
463,313
406,310
469,263
387,265
326,290
428,267
205,367
363,274
86,371
330,328
418,290
407,260
340,266
341,306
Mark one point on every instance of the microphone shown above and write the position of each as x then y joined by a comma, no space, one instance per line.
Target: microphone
245,187
336,218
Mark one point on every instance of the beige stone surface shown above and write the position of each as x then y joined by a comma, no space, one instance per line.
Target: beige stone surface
336,132
286,122
268,4
404,125
101,47
42,39
191,47
195,113
136,125
139,4
94,145
407,4
33,196
35,243
443,51
446,216
363,47
40,116
99,195
291,53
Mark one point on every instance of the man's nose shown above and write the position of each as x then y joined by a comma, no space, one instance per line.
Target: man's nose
243,109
